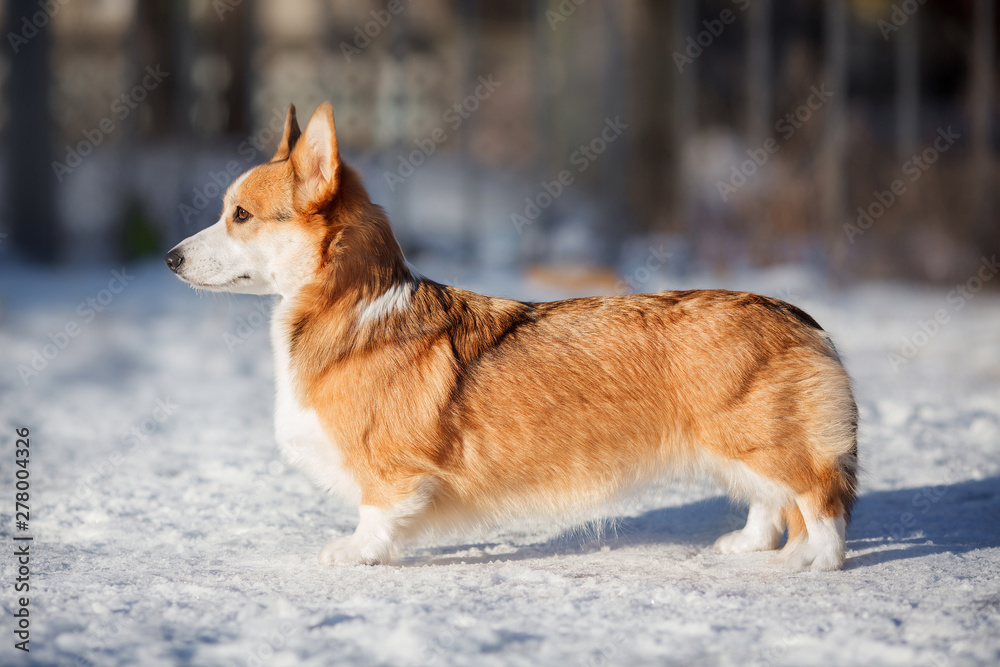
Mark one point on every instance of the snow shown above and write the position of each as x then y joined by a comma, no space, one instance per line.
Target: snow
191,542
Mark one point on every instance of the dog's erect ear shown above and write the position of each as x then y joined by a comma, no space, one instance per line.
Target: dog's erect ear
315,157
288,137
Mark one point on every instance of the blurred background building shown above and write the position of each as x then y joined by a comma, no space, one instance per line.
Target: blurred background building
856,136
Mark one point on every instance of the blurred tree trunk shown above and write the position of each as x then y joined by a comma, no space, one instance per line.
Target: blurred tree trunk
542,46
614,224
469,18
182,55
652,155
153,44
30,177
982,181
758,70
907,87
685,91
236,43
832,167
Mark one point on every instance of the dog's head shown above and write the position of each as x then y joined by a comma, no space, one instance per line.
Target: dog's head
269,238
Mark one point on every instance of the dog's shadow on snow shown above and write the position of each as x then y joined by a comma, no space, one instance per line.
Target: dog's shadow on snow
955,518
886,526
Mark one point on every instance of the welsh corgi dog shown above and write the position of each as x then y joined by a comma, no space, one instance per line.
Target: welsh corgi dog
433,407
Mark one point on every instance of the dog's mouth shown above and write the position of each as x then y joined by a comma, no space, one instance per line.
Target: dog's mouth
245,278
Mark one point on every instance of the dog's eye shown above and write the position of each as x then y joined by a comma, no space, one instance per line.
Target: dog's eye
241,215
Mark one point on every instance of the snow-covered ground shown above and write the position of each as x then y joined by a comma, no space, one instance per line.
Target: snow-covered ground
167,530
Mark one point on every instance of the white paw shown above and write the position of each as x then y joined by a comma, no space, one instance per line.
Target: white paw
741,542
348,551
798,558
828,561
807,555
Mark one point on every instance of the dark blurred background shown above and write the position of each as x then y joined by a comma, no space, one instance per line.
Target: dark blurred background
856,137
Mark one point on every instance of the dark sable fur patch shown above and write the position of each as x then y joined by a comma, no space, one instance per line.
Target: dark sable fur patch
295,335
783,307
801,316
473,325
474,328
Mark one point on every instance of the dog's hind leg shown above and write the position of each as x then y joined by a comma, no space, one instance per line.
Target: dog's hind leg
824,511
823,546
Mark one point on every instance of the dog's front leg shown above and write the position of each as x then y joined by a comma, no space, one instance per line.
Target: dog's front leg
370,544
380,527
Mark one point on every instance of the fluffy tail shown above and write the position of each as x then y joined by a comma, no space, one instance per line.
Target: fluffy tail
843,491
848,490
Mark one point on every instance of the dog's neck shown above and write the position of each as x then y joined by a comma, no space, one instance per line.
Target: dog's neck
361,277
359,257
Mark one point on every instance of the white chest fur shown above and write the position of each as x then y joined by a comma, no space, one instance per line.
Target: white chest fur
301,440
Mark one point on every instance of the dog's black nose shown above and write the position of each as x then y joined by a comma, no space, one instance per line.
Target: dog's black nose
174,260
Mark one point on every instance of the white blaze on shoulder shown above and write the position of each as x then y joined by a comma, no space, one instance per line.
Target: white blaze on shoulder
394,299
